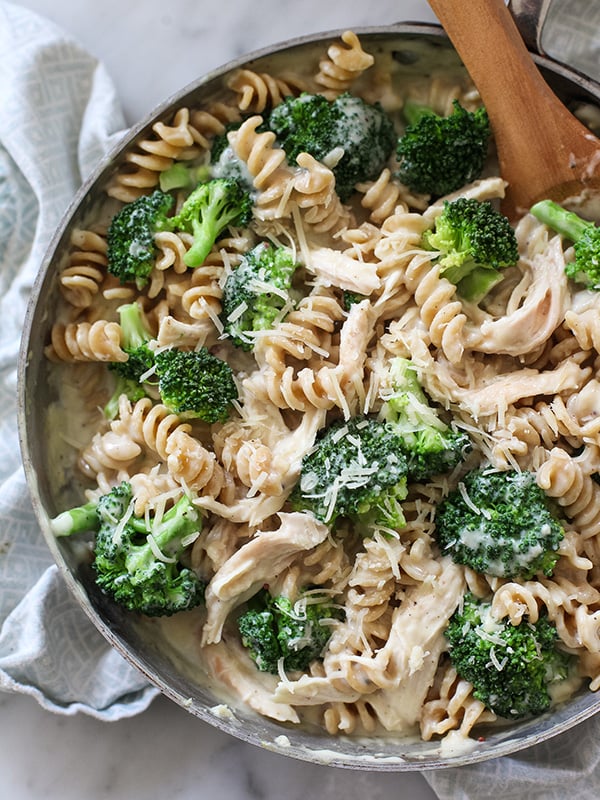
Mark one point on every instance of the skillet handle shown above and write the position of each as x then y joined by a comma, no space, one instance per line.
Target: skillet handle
565,31
530,16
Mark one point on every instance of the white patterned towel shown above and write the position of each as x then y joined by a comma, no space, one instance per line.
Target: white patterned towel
58,115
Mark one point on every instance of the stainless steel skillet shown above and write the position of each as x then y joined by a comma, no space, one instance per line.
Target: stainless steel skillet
415,49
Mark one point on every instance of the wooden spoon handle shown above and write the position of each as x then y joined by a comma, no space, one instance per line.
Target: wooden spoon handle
540,144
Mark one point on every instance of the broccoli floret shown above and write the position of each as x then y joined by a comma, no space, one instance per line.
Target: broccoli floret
353,136
195,384
257,293
475,242
136,563
258,632
208,211
430,446
510,666
131,250
500,523
135,338
438,155
275,628
585,235
357,469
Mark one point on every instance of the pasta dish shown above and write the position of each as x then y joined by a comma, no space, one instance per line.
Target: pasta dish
512,375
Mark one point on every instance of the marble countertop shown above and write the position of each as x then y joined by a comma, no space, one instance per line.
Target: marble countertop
151,49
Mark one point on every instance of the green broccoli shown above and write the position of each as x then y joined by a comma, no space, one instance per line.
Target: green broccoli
257,293
135,338
275,629
509,666
357,469
585,235
208,211
438,155
258,633
139,564
183,175
430,446
475,242
195,384
351,298
131,250
501,524
353,136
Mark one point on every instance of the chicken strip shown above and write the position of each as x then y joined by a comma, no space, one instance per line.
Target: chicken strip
256,563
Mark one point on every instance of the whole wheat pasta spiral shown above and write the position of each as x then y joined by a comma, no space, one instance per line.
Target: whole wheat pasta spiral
252,462
525,429
258,91
343,65
562,478
347,718
85,272
151,426
381,197
307,333
108,456
85,341
440,94
440,310
267,165
201,294
314,193
300,392
572,607
152,155
207,123
171,249
585,328
452,707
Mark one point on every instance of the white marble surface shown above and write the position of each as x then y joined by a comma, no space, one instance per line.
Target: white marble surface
152,48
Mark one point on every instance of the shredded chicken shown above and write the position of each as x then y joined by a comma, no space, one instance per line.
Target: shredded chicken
288,451
253,510
335,268
505,390
354,337
484,189
532,324
255,564
486,393
403,669
229,662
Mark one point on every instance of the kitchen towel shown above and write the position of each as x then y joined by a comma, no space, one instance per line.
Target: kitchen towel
58,114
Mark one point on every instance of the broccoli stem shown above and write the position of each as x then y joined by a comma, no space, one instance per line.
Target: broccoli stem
76,520
414,111
134,331
204,233
175,524
565,222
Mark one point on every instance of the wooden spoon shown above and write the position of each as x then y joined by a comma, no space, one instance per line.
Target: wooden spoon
543,150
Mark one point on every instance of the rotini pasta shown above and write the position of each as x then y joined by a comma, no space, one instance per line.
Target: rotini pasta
154,154
343,64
